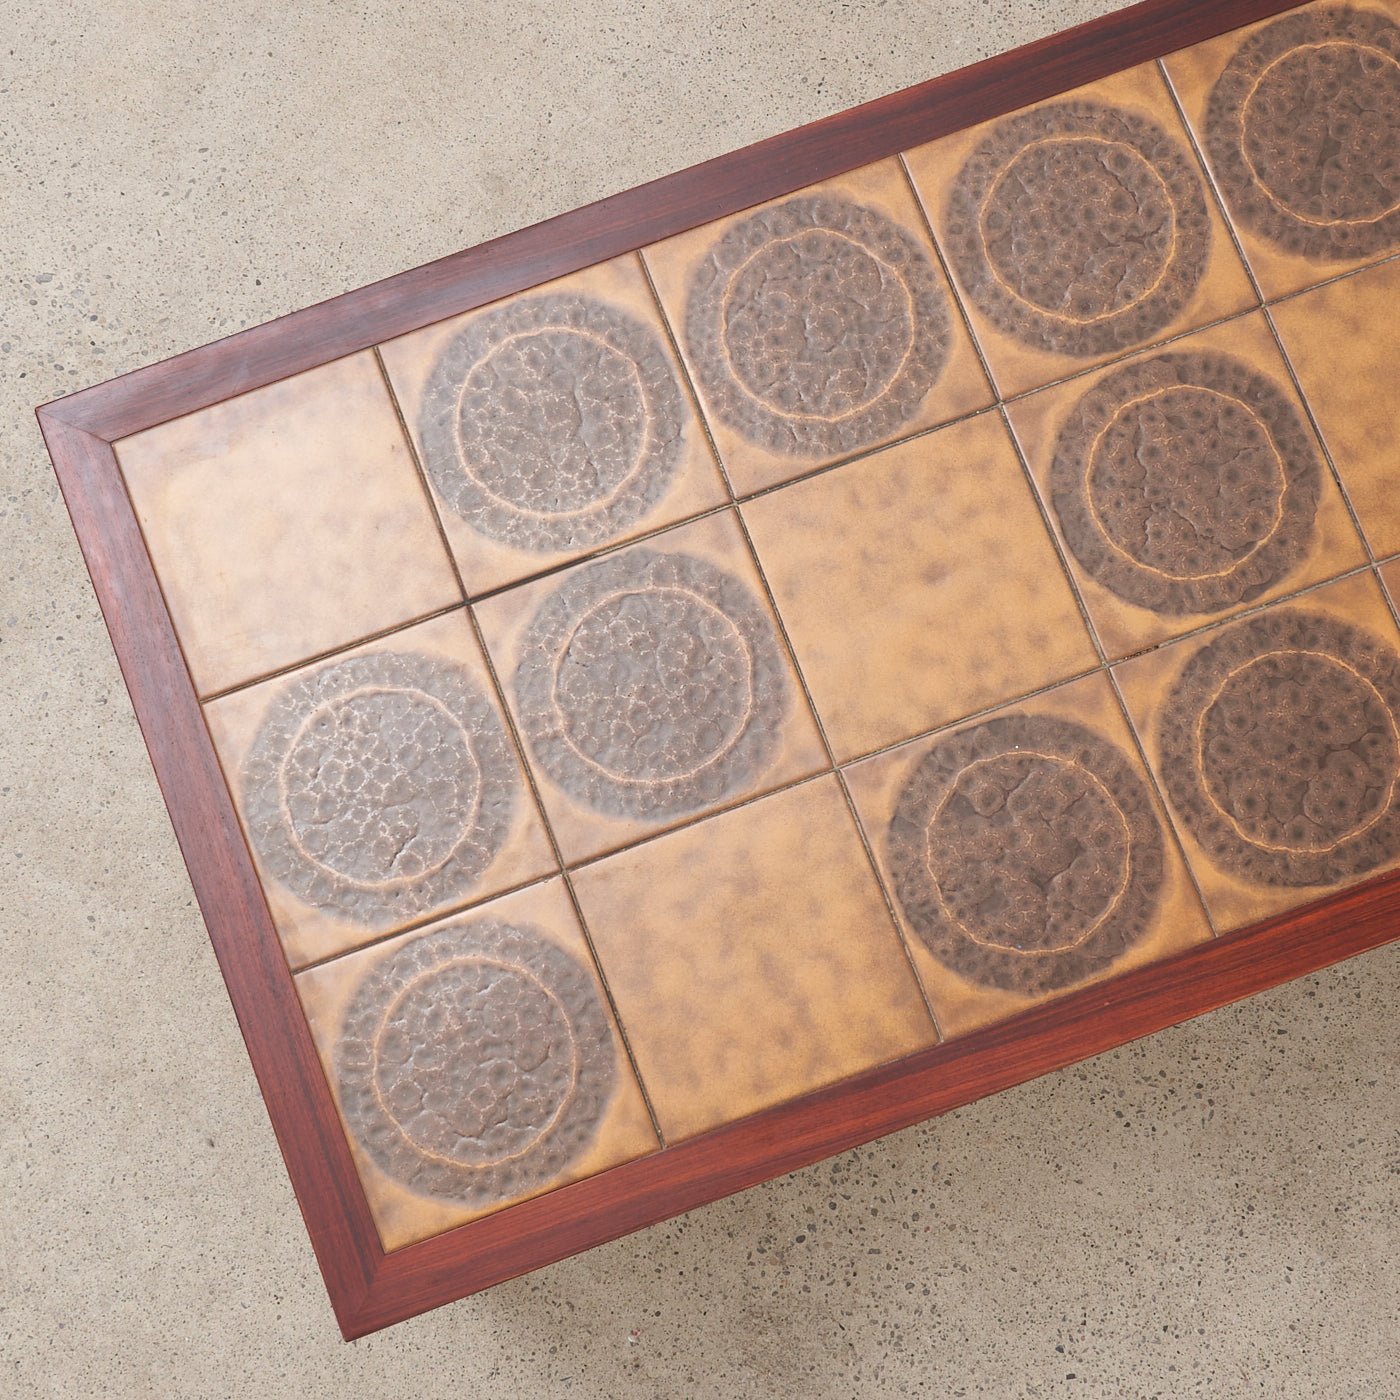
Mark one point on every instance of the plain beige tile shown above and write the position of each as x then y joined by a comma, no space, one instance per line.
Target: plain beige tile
1276,741
817,326
1186,484
1026,854
379,789
752,958
475,1063
918,585
553,424
286,522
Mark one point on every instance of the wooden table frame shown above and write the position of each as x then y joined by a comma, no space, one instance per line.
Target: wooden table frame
368,1288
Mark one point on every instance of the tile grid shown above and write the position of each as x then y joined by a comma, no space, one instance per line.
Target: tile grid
832,766
1266,306
500,698
735,500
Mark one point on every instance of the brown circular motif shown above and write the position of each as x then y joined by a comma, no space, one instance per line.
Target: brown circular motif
818,326
1281,750
1186,483
476,1063
552,423
651,684
1027,853
380,787
1079,228
1303,130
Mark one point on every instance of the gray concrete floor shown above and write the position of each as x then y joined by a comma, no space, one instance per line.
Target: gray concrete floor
1210,1213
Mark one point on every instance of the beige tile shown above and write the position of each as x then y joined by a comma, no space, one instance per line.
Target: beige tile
1276,740
1026,854
1344,342
286,522
650,686
379,789
1390,573
918,585
1299,120
553,424
752,958
817,326
475,1063
1186,484
1097,254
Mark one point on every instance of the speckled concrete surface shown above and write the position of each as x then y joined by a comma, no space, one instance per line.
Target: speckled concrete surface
1210,1213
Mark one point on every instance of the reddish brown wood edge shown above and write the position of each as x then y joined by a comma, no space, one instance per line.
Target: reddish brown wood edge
368,1289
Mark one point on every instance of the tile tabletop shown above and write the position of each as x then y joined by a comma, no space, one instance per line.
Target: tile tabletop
732,667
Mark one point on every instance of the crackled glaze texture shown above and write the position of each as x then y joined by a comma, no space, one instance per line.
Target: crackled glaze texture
476,1063
552,423
1281,750
818,326
1186,483
1027,853
379,787
651,684
1079,228
1303,129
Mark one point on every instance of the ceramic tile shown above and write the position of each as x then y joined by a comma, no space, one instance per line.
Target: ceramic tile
1186,484
1276,741
650,686
553,424
918,585
817,326
1390,575
475,1063
379,789
1079,229
1026,854
752,958
1344,342
286,522
1299,121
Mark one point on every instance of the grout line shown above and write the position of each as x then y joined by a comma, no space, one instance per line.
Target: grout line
528,773
1335,277
319,656
1168,819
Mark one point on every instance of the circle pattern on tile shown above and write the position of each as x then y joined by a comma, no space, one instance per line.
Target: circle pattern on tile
476,1062
553,423
651,684
1079,228
1281,750
817,327
1027,853
380,787
1303,130
1186,483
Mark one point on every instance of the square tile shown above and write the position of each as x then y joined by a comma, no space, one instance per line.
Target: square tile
475,1063
1026,854
918,585
1299,120
650,686
1186,484
1275,741
817,326
752,958
379,789
1079,229
1344,342
286,522
1390,576
553,424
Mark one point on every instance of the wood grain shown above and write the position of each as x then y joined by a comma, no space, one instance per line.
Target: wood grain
369,1289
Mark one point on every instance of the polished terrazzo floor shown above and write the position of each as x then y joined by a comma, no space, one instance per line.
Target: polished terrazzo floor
740,664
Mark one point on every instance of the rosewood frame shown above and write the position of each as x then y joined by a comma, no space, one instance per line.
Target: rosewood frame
368,1288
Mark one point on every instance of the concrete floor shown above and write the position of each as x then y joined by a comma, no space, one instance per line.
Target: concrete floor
1212,1212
